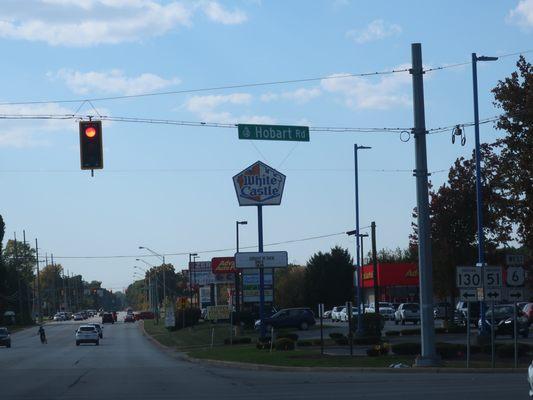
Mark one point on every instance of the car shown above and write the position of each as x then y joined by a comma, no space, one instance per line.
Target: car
528,311
78,317
299,318
5,337
146,315
87,334
335,313
327,314
459,316
407,312
59,317
504,320
100,330
442,310
129,318
530,379
108,318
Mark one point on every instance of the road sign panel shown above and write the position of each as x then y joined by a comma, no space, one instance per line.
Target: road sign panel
492,277
516,294
515,276
493,294
468,277
515,259
273,132
267,259
468,294
259,185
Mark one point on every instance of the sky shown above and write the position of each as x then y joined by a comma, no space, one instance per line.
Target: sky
168,187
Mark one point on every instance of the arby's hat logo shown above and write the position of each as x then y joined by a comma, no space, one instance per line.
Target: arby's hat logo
259,184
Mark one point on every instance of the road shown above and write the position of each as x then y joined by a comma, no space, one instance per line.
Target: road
128,366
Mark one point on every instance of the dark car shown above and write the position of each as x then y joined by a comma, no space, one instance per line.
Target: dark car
299,318
108,318
5,338
528,310
129,318
504,320
460,312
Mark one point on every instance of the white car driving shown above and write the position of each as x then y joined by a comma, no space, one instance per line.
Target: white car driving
87,334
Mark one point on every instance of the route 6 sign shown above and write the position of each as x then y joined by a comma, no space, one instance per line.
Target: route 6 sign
515,276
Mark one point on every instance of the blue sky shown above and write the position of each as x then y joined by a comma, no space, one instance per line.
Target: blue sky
169,187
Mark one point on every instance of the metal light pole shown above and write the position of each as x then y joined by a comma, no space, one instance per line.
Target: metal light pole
162,257
359,289
190,275
237,275
479,186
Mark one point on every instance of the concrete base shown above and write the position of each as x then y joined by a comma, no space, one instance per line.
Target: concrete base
432,361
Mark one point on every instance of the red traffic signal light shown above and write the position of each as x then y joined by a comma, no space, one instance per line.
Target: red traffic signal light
91,148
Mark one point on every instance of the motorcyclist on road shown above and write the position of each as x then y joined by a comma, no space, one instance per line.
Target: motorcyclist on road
42,334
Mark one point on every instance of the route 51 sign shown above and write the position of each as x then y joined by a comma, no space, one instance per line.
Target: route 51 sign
492,277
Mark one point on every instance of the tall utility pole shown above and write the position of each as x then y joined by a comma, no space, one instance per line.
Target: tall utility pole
375,268
428,357
237,277
38,289
19,278
479,185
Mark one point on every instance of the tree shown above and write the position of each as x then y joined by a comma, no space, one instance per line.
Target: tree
329,278
290,286
514,95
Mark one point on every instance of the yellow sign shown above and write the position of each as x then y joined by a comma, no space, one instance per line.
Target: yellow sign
368,275
218,312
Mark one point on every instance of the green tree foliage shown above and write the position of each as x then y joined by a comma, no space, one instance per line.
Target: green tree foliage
514,95
329,278
290,287
137,295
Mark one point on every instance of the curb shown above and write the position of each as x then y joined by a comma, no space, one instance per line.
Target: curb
280,368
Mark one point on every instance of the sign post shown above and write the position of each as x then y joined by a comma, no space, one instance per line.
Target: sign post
492,283
515,279
259,185
321,315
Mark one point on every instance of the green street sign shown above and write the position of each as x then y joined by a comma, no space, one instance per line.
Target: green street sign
274,132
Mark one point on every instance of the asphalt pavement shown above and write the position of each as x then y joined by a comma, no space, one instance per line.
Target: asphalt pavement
127,365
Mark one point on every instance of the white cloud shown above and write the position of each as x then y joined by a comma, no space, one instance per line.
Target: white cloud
375,30
217,13
31,133
300,96
93,22
363,93
112,82
522,14
206,108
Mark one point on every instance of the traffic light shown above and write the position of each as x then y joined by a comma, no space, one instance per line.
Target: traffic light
91,153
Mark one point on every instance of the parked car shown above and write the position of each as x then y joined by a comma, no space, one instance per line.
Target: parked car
459,316
530,379
100,330
59,317
78,317
5,337
129,318
335,313
87,334
108,318
528,311
442,310
504,320
300,318
327,314
407,312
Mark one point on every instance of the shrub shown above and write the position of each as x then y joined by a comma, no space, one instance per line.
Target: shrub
372,324
284,344
187,317
406,349
305,343
342,341
410,332
291,336
238,340
379,350
392,333
247,318
367,340
450,350
507,350
263,344
336,335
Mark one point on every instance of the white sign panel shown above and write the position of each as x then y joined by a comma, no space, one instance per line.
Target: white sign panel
259,185
493,277
267,259
515,276
516,294
468,277
468,294
515,259
493,294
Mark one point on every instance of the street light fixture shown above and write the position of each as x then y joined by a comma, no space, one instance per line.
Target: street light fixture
162,257
479,187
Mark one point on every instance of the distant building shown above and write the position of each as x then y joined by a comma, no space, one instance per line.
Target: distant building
397,282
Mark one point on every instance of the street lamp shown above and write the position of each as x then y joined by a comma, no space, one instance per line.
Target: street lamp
162,257
237,276
357,250
479,187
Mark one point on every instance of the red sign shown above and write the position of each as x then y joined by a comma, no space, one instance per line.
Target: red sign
391,274
223,265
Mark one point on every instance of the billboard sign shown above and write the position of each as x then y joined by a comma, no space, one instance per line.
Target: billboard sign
250,285
266,259
259,185
223,265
